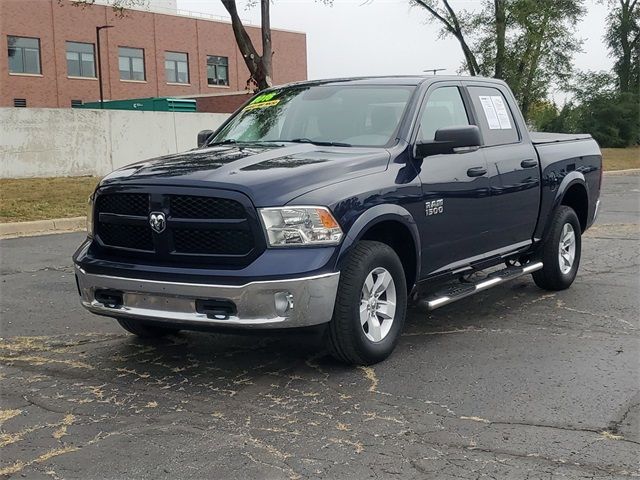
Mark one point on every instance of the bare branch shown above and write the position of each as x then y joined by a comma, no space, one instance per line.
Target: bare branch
437,15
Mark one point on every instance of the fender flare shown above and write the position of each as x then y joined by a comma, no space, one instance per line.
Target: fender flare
571,179
375,215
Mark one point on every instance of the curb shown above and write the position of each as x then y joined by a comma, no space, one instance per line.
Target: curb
622,172
42,227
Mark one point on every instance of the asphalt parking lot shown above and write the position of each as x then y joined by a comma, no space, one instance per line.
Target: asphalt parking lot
514,383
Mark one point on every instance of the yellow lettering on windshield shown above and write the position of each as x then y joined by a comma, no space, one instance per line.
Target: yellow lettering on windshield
265,97
253,106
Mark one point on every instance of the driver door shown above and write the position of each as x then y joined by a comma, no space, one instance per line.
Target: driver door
455,187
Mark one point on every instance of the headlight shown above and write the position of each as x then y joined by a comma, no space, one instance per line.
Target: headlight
298,226
90,216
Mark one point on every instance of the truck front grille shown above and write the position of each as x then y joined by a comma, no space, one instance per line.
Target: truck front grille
212,227
127,236
124,204
187,206
206,241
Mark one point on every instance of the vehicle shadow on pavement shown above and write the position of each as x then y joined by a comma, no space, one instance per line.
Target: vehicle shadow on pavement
223,360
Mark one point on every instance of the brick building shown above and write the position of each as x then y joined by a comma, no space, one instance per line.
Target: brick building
50,58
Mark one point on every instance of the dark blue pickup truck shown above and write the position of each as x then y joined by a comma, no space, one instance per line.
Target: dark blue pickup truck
334,204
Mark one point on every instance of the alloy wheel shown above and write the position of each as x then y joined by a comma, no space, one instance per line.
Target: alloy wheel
377,304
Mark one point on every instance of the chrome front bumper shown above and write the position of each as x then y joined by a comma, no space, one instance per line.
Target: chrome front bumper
309,300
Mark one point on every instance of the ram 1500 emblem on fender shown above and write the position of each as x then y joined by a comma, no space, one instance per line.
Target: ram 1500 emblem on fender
157,221
434,207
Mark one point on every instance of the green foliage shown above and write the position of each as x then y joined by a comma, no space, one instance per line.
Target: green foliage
527,43
623,40
598,107
542,113
612,119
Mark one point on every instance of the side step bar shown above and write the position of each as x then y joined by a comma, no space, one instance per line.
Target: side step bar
463,290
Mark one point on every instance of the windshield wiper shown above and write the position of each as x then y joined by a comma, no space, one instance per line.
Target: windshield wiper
319,142
227,141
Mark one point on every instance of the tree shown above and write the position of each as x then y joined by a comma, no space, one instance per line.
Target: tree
598,107
453,26
260,66
623,39
527,43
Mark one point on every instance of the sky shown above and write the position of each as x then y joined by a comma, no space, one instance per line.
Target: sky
384,37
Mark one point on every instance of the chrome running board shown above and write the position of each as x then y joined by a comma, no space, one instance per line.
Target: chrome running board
463,290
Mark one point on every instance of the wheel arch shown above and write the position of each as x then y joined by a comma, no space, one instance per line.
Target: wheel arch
392,225
573,191
576,197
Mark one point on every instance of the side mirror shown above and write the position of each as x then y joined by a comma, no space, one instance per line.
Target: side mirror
203,136
450,140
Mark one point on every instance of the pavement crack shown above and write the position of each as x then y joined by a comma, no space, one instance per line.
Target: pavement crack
48,268
604,432
49,409
615,425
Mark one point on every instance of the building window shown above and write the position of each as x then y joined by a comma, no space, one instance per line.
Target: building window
24,55
20,102
217,70
176,67
80,60
131,63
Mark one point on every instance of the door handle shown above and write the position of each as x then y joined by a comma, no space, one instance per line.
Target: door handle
529,163
476,172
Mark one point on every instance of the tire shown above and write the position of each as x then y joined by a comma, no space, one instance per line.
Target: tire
349,339
560,268
145,330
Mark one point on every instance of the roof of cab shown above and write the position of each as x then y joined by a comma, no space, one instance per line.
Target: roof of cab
411,80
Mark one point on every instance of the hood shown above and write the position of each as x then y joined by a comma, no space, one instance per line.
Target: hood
269,175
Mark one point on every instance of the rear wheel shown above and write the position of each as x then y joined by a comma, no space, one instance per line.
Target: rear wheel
370,307
560,252
145,330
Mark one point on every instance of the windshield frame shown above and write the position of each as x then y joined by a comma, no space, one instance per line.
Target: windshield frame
394,138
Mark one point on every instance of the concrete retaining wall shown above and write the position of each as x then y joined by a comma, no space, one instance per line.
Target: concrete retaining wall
50,142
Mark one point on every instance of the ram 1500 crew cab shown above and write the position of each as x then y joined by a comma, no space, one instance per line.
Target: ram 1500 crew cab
332,203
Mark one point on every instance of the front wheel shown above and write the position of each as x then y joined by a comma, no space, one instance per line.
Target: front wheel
371,305
560,252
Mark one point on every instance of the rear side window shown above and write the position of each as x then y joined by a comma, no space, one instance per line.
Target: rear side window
494,116
444,108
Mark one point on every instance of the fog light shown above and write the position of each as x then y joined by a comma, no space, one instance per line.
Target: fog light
283,302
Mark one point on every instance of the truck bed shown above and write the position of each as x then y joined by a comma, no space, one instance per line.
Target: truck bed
540,138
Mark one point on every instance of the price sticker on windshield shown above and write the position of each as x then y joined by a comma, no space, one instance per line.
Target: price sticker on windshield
254,106
263,101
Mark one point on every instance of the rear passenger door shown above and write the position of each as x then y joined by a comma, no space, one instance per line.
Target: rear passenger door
513,167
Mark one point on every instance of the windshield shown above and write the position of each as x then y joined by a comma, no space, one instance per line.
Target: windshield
358,115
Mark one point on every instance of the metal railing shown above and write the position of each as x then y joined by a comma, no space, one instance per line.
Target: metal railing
151,7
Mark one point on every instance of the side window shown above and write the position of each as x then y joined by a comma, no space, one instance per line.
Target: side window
494,116
444,108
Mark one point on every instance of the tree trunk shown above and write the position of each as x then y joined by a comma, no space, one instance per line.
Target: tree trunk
260,69
267,52
624,69
501,29
516,82
533,67
452,25
470,59
472,63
